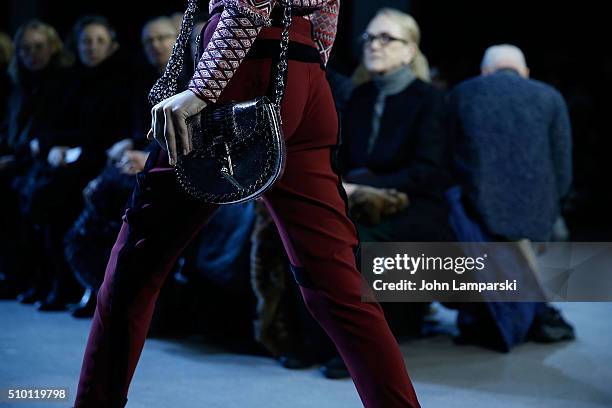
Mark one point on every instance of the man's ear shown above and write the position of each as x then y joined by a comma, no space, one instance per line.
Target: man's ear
527,72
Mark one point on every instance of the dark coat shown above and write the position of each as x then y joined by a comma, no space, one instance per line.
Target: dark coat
411,154
30,114
95,113
513,153
89,241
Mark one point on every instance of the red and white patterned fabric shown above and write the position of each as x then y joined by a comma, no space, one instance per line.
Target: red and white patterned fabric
239,25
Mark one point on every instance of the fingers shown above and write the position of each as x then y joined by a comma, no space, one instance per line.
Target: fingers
158,125
168,119
183,134
170,135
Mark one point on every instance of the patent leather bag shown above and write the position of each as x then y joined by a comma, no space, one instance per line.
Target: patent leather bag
238,147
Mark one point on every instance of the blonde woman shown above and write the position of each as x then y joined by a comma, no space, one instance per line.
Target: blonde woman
394,139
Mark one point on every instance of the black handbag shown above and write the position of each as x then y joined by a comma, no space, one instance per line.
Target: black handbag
238,147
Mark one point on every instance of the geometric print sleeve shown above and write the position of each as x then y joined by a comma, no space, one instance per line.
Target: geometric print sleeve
239,24
230,42
324,27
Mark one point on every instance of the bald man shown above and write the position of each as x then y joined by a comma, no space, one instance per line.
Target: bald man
513,159
515,146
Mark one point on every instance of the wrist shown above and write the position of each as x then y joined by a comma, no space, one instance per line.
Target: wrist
208,99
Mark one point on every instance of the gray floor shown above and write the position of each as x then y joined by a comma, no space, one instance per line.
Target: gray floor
39,349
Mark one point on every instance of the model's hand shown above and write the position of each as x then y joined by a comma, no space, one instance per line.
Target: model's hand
168,122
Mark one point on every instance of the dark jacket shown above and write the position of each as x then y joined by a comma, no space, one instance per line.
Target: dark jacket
410,154
29,114
513,153
97,112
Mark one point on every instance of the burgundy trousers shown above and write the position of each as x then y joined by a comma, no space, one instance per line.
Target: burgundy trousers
308,205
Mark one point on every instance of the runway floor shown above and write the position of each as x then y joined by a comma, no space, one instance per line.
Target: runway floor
45,349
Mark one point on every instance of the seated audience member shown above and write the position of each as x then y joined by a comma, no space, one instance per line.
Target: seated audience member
7,286
98,114
394,139
513,163
89,241
37,71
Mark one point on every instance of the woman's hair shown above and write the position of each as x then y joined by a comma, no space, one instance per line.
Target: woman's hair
6,49
58,58
411,32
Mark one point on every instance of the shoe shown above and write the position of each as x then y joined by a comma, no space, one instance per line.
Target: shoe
52,303
550,327
30,296
335,369
87,306
294,361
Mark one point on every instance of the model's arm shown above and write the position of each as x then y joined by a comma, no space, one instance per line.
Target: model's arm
324,27
239,24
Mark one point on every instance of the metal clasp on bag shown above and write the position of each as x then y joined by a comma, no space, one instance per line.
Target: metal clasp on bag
228,170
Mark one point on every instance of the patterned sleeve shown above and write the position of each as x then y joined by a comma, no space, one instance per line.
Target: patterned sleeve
324,26
239,24
238,27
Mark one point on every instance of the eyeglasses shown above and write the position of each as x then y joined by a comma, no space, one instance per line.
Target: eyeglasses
383,38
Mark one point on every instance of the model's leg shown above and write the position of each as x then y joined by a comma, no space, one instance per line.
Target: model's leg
158,224
320,239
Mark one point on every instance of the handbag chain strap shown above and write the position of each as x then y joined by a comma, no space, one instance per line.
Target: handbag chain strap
167,85
281,71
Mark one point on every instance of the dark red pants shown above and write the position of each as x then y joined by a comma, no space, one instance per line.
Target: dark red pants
308,206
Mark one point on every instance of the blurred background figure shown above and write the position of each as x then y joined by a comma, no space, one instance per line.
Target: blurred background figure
90,239
157,39
394,139
395,151
37,70
513,162
177,18
7,286
96,112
